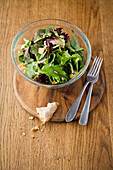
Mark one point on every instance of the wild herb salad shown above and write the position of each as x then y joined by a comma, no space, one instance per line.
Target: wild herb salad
51,57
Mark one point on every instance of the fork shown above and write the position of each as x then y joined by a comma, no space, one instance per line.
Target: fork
93,74
90,78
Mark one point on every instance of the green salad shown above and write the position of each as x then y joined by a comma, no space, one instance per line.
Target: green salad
51,57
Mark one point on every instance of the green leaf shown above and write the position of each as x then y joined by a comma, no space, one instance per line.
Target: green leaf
72,69
21,56
80,49
78,72
58,58
27,43
76,60
28,55
81,54
55,72
56,46
58,50
34,49
47,31
68,45
56,33
37,39
40,57
40,31
66,56
60,42
30,72
22,59
74,42
31,69
50,59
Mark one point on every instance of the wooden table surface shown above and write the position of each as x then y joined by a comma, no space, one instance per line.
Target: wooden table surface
62,146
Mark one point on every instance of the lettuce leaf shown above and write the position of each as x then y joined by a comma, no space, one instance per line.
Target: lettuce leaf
27,43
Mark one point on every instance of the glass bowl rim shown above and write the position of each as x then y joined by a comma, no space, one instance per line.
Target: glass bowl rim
51,85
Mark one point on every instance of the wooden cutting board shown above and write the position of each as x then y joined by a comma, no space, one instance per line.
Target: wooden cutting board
31,96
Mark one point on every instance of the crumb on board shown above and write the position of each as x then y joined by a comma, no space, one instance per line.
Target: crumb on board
32,136
41,130
35,128
24,134
31,118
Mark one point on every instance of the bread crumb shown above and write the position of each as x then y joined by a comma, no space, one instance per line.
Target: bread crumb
31,118
46,113
24,134
35,128
42,130
32,136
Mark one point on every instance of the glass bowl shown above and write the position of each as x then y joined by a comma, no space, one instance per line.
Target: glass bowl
29,31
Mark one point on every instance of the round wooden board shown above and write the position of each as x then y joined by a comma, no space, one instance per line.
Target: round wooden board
31,96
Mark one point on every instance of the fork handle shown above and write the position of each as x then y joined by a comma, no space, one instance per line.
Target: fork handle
85,112
74,108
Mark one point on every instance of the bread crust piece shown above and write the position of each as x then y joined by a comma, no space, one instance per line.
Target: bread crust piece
46,113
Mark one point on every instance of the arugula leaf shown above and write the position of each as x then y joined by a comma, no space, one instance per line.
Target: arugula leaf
22,59
56,33
68,45
40,57
80,49
40,31
78,72
71,66
74,42
50,59
76,60
34,49
74,45
81,54
21,56
54,71
27,43
58,50
47,31
31,69
66,56
58,58
56,46
37,39
60,42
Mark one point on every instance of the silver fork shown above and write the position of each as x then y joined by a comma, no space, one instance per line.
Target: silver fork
93,74
91,77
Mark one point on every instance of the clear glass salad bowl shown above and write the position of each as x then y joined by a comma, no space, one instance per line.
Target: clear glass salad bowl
29,31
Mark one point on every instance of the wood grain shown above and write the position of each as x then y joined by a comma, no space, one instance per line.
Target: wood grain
63,146
30,96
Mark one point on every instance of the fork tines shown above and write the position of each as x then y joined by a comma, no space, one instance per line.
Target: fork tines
95,68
